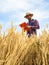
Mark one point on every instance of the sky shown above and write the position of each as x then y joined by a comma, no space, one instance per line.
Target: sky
14,10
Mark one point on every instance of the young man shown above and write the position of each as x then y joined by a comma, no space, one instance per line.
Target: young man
32,24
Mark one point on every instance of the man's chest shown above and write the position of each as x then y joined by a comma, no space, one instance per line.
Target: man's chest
31,23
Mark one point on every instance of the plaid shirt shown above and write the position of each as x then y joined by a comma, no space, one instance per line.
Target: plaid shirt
33,30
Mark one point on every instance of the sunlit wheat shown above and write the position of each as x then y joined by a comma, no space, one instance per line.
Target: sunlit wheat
16,48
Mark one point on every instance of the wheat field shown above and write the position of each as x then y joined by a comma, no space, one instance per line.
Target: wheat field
17,49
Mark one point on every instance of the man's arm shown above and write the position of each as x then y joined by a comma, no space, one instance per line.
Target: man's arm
36,25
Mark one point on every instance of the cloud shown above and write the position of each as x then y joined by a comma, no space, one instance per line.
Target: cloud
16,9
9,5
38,7
41,14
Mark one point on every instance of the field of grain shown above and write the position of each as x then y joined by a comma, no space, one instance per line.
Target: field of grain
17,49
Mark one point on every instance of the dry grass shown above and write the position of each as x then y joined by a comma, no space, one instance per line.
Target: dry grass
17,49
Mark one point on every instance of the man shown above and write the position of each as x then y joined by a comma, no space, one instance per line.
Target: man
32,24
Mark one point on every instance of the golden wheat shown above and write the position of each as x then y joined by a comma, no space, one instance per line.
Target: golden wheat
17,49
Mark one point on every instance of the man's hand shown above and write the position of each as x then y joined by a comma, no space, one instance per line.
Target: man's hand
28,26
33,27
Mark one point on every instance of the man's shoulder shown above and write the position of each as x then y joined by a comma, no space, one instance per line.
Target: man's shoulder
34,20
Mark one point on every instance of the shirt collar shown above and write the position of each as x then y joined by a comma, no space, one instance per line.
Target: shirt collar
31,20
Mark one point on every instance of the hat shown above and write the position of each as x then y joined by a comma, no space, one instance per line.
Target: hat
27,14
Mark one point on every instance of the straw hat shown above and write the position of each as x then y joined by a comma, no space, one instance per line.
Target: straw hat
27,14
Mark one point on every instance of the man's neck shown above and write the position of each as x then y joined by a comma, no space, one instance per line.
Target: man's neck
30,19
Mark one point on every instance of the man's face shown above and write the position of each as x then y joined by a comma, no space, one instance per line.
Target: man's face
29,17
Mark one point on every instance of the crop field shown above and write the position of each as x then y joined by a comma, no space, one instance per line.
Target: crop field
16,48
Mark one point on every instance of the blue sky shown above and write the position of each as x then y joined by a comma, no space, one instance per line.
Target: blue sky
14,10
